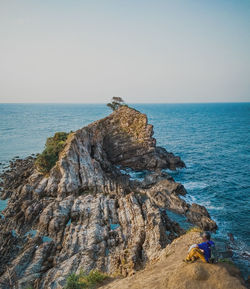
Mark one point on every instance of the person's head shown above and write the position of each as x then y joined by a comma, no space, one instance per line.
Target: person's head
206,236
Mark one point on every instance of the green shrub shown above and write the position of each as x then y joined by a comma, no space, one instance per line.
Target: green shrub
73,282
226,260
48,158
85,281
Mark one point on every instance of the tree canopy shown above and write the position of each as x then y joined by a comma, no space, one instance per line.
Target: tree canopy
116,102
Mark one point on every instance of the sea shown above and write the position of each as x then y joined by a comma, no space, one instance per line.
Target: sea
213,140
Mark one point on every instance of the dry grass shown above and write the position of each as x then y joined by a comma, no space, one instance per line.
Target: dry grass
194,230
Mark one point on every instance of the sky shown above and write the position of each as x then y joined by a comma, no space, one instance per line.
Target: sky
144,51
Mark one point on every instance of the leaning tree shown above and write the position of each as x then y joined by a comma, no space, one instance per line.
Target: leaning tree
116,102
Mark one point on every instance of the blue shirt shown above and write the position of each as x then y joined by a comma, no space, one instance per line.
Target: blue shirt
206,247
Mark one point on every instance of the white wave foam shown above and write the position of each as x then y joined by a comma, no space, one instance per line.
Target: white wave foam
209,206
195,185
189,199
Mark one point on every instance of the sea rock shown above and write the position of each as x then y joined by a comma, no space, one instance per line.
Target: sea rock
199,215
87,213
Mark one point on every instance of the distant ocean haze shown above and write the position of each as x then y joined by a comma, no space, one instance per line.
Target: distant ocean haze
212,139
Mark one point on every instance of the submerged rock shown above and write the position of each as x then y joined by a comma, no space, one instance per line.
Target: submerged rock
86,212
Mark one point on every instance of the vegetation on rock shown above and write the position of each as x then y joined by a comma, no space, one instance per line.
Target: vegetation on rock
226,260
116,102
83,280
48,158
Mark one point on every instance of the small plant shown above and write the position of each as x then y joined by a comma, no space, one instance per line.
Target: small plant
85,281
73,282
48,158
116,102
84,191
226,260
93,278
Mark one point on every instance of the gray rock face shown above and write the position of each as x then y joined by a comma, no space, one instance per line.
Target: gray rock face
87,213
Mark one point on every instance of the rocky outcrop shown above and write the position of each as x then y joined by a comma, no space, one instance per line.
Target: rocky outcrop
165,193
87,212
170,272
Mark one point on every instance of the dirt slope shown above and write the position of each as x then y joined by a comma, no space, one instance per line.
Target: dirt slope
170,272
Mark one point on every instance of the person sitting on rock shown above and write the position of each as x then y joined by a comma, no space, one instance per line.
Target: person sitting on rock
201,251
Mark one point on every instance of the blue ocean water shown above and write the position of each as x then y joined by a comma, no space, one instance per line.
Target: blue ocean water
212,139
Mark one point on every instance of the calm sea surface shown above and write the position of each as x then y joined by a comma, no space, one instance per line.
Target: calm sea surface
212,139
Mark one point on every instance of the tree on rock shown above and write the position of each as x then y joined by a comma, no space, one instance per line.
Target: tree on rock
116,102
50,155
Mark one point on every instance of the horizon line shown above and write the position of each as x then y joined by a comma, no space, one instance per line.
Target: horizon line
147,102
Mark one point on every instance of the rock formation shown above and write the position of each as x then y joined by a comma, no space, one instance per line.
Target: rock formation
87,212
170,272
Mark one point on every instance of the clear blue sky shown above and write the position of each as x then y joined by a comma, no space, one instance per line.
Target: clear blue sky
144,51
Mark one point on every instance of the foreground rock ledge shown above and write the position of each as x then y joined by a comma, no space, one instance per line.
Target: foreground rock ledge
88,213
170,272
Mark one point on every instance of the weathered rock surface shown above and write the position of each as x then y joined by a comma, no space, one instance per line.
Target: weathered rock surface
87,213
170,272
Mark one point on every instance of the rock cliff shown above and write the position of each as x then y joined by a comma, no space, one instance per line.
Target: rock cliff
88,212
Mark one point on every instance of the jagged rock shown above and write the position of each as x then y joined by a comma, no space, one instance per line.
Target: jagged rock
199,215
18,173
165,193
86,213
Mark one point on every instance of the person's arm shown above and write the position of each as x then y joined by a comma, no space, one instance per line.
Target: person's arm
201,246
